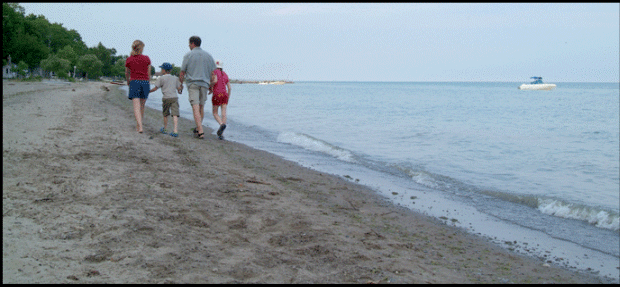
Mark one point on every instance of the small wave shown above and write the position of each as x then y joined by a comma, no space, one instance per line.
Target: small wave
427,180
418,176
597,217
451,185
314,144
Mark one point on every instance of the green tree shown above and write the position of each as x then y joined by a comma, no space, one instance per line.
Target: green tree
69,54
175,70
76,42
29,49
54,36
32,38
20,69
14,6
118,70
39,27
90,65
21,36
57,65
59,37
106,56
12,23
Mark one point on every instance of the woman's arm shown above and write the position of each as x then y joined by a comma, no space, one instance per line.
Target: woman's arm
127,75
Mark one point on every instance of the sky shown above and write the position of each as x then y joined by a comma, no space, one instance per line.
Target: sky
416,42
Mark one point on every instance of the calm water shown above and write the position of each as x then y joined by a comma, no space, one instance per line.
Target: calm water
536,167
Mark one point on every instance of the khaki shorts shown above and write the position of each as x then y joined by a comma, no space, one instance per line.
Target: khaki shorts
170,107
197,94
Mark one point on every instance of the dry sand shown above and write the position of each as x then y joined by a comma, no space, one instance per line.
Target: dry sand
86,199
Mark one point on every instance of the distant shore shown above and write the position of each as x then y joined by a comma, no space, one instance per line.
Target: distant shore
279,82
260,82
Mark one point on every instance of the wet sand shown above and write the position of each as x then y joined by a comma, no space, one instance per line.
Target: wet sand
87,199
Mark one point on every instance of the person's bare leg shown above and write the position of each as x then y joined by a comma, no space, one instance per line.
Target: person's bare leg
176,122
202,113
216,116
137,114
142,104
197,118
224,113
220,120
165,123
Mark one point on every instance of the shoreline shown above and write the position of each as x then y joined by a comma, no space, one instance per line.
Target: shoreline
86,199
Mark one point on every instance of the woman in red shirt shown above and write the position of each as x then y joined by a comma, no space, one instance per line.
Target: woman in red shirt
138,74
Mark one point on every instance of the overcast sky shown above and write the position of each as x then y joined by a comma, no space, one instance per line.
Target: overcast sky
508,42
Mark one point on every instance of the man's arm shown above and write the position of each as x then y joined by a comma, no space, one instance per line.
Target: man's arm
213,81
184,67
179,87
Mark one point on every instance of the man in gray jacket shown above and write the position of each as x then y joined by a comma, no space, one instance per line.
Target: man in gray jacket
197,71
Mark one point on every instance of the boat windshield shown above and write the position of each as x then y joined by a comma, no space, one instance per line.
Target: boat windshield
537,80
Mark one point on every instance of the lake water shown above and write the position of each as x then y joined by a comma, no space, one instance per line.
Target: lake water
535,171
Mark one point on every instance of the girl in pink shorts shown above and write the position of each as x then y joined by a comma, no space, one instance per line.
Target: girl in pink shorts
221,94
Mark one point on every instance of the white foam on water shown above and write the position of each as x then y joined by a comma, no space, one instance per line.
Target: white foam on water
423,179
310,143
597,217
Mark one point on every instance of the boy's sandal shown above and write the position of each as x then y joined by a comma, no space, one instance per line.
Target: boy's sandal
200,136
163,131
174,134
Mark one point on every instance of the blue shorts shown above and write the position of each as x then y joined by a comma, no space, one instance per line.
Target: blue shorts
139,89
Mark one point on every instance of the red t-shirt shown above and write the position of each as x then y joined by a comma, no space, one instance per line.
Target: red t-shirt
222,80
139,67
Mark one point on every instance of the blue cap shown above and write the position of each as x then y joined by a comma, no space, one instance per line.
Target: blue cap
166,66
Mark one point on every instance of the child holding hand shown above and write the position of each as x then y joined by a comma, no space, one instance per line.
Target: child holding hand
170,101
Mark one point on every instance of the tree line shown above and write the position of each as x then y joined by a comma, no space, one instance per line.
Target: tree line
34,42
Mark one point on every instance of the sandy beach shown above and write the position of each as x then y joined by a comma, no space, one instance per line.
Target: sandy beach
87,199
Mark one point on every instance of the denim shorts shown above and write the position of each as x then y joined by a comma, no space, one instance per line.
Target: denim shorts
139,89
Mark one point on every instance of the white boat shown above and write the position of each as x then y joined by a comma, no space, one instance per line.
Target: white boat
537,84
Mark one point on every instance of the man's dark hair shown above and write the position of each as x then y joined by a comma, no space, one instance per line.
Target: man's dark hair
196,40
